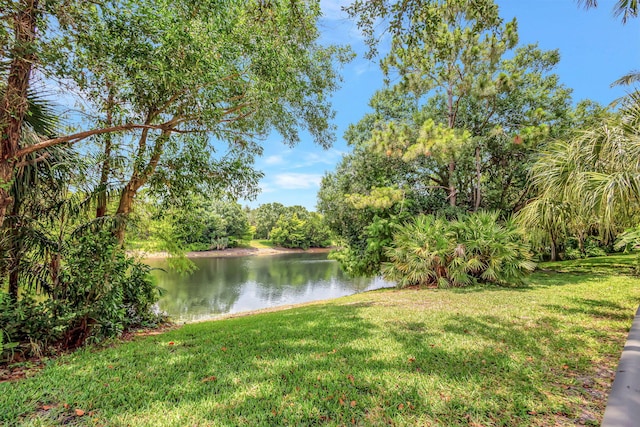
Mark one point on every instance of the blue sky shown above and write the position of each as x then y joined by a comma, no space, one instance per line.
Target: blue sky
595,50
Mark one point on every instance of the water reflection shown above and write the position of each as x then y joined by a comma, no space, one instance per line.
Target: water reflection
231,285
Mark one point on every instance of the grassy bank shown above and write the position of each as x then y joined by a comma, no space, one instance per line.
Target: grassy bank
541,355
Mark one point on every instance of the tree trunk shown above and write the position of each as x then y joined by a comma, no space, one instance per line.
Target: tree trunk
14,105
452,186
138,179
6,176
101,209
124,208
581,239
14,251
451,121
554,250
478,195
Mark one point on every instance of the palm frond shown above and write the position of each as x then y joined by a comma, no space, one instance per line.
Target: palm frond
628,79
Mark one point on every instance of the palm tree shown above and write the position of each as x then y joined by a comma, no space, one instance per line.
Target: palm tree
27,190
623,8
590,180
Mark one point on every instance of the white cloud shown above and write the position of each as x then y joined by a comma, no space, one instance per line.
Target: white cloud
274,160
324,157
266,188
332,9
297,181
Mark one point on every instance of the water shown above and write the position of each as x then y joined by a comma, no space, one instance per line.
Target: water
236,284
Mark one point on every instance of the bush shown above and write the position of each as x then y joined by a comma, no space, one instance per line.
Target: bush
592,247
100,293
474,248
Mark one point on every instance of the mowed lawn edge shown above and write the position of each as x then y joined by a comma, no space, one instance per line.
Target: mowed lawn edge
543,355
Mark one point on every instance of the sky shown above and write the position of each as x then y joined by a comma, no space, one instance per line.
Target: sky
595,50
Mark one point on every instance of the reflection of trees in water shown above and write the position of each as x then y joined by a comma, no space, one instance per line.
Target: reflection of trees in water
219,283
212,289
297,275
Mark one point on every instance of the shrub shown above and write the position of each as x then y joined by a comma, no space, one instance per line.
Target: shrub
474,248
100,292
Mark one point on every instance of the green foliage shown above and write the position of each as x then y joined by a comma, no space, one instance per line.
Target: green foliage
589,182
301,230
99,292
192,222
264,218
457,132
590,247
475,247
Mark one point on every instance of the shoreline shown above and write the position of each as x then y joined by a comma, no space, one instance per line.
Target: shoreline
232,252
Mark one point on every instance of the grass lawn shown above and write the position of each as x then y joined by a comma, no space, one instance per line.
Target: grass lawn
261,244
541,355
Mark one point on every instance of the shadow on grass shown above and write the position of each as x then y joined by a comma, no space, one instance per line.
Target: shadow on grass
596,308
333,364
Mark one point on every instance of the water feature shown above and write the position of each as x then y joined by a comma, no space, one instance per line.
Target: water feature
236,284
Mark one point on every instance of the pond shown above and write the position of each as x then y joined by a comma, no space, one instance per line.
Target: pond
236,284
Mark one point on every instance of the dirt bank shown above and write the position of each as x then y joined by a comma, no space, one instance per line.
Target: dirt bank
234,252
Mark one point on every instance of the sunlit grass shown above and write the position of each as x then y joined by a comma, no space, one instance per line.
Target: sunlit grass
261,244
539,355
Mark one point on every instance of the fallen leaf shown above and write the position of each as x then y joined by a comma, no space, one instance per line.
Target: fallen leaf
110,367
79,412
171,343
351,378
353,403
412,359
565,366
224,348
47,407
401,406
66,406
531,412
211,378
341,401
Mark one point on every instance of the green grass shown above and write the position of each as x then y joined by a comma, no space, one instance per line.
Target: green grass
541,355
261,244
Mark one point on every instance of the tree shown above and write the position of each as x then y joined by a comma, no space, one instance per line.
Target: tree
240,70
264,218
454,48
589,182
300,229
475,105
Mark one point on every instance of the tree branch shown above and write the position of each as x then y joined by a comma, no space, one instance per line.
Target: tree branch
76,137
